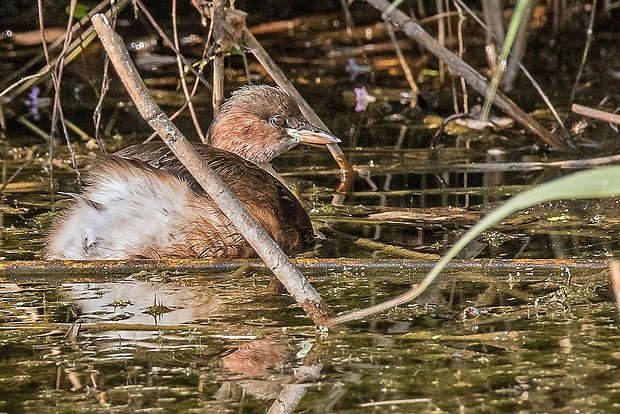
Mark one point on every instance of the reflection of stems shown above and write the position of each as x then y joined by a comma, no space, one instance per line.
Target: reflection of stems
257,237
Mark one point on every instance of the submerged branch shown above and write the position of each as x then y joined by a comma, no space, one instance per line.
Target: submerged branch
103,270
381,247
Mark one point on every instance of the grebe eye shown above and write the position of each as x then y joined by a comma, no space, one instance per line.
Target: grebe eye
278,121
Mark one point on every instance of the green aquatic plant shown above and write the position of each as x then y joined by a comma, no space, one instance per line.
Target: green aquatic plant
511,34
595,183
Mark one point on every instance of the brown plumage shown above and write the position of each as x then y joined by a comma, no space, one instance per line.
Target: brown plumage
142,203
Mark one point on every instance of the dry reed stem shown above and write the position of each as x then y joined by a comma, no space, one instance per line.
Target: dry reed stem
170,44
473,78
596,113
529,76
188,97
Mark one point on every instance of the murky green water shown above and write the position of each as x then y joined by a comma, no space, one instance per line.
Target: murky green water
541,341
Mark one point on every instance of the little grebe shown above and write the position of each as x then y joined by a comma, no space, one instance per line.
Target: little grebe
141,202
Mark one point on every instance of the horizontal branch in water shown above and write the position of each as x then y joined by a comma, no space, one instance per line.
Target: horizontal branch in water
103,270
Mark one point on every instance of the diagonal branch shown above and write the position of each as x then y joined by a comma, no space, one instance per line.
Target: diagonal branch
257,237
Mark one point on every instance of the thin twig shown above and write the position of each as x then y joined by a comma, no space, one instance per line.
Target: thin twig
395,402
79,131
596,113
459,32
257,237
51,135
188,97
60,41
348,17
172,117
33,128
586,50
473,78
403,63
170,44
105,85
20,82
56,75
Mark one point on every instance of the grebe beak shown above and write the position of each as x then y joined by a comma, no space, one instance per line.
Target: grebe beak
309,134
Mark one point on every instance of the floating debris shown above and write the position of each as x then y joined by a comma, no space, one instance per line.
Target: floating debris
362,99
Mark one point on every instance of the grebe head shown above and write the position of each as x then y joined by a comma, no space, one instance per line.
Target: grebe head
260,122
